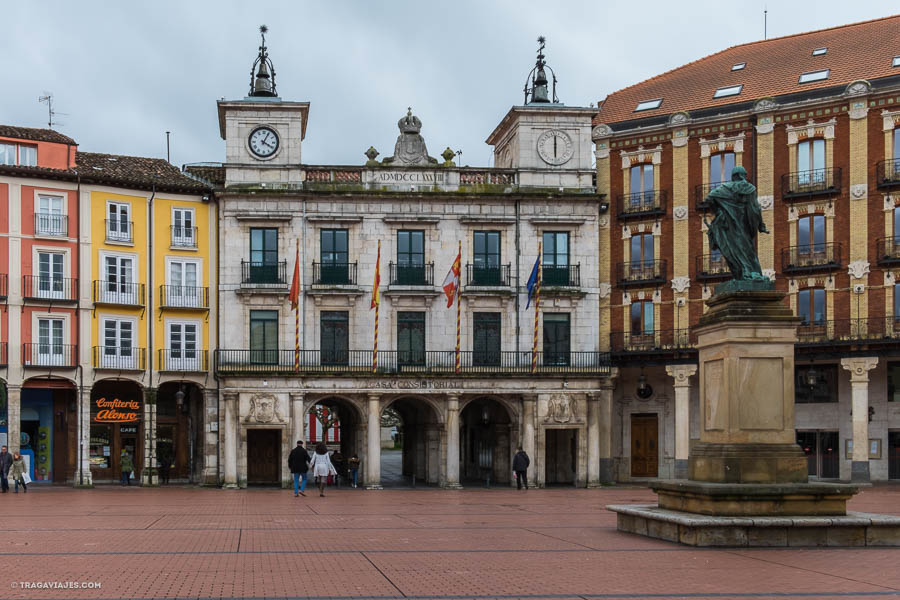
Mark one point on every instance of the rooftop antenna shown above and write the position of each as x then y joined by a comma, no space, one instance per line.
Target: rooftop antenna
47,99
168,156
766,23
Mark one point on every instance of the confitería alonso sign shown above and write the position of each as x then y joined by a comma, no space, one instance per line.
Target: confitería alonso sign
116,411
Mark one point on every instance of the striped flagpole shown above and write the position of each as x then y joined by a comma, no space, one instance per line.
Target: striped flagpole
376,300
297,319
375,345
458,281
537,310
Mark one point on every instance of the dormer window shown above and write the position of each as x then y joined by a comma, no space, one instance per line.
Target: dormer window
732,90
648,105
820,51
18,154
739,66
896,62
814,76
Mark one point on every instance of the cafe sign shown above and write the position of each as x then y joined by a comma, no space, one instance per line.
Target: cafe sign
114,410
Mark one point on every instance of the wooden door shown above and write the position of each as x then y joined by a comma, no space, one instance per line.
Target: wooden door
263,456
644,446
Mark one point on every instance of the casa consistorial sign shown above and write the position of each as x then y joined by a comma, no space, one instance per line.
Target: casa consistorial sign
411,384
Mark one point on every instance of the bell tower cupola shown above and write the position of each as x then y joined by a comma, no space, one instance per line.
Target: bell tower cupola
262,74
538,93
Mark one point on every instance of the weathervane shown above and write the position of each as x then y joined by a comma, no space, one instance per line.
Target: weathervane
538,92
262,81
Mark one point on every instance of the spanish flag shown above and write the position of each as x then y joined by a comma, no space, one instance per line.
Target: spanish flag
295,283
451,281
375,295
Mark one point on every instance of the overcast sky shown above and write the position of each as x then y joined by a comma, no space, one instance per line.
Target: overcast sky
125,72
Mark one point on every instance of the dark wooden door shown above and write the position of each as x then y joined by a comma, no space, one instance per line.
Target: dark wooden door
263,456
644,446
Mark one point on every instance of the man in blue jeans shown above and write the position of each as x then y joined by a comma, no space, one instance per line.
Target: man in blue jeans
298,463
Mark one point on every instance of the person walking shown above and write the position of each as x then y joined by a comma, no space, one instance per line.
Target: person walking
127,466
298,463
6,461
321,466
520,466
337,460
17,472
353,464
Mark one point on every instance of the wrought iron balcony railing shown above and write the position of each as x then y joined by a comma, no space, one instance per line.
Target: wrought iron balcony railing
49,354
113,292
263,273
415,274
183,296
712,266
889,251
334,273
561,276
183,359
812,257
641,204
487,275
125,358
119,231
887,173
655,340
184,237
853,331
393,362
803,184
641,272
50,225
54,289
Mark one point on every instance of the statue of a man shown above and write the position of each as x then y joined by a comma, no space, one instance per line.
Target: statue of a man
737,220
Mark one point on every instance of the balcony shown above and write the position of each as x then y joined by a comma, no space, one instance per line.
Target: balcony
887,173
647,272
701,192
889,251
334,273
4,287
121,358
180,296
119,231
393,362
50,225
656,340
641,204
487,276
184,237
411,274
804,185
122,294
561,276
48,354
263,274
183,360
815,257
868,331
4,354
712,266
49,289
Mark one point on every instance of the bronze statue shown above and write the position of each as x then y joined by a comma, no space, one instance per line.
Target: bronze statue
733,230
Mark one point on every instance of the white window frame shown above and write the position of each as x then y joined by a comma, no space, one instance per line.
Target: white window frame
188,238
738,66
50,359
122,295
184,298
36,272
183,363
731,90
118,236
49,231
19,154
15,153
116,360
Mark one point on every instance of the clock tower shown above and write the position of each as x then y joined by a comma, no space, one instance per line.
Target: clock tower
548,142
262,132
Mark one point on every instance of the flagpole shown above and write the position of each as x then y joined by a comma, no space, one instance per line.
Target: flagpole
297,320
377,301
537,310
459,255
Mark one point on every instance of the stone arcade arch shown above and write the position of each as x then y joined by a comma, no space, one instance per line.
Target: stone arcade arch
350,422
109,435
420,458
179,432
488,438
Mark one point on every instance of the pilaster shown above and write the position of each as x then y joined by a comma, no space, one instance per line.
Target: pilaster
373,443
859,205
765,188
14,416
231,434
681,374
453,441
529,411
859,383
149,474
297,417
83,477
606,470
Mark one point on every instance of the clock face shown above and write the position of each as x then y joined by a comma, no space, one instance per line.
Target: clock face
263,142
555,147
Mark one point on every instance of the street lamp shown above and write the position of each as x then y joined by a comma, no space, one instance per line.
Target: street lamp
812,378
179,398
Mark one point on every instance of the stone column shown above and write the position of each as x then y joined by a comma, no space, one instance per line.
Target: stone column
209,475
14,417
593,440
529,408
682,376
373,442
453,441
604,406
149,474
859,382
83,477
229,453
297,418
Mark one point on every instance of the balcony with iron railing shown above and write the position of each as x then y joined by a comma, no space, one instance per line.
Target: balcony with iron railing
865,331
414,274
183,360
652,340
114,292
712,266
393,362
184,237
123,358
889,251
334,273
478,275
645,272
50,225
49,354
263,274
184,296
812,257
803,185
561,276
49,289
641,204
119,231
887,173
701,192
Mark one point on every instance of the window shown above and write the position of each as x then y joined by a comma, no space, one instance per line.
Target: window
720,167
642,255
820,51
264,255
811,306
335,257
555,264
487,258
51,283
738,66
896,228
183,230
896,154
18,154
264,337
641,318
50,219
648,105
896,303
27,156
556,339
7,154
118,287
814,76
811,236
486,338
100,448
732,90
183,282
642,186
411,257
824,384
183,352
896,62
50,342
118,350
335,337
893,375
811,162
118,222
411,338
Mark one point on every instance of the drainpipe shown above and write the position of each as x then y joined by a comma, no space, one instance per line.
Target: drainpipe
78,335
151,437
218,342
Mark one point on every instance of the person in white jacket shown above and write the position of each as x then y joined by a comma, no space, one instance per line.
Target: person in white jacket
321,466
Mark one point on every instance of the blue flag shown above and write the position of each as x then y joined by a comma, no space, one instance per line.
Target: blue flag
533,281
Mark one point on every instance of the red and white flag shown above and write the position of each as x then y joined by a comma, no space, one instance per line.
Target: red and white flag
451,281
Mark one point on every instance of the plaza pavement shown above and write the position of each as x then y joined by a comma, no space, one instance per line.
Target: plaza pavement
425,543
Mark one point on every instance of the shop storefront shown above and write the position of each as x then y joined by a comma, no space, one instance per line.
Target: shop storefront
116,426
47,425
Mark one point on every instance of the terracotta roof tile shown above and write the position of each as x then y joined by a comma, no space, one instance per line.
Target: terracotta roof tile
35,135
210,172
773,67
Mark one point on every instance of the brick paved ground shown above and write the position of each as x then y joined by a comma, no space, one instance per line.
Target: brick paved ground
559,544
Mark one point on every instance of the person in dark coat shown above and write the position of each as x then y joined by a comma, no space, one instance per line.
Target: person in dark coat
520,466
337,459
298,463
6,461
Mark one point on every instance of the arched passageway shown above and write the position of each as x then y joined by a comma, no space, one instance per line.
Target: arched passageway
179,432
337,422
486,443
413,455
